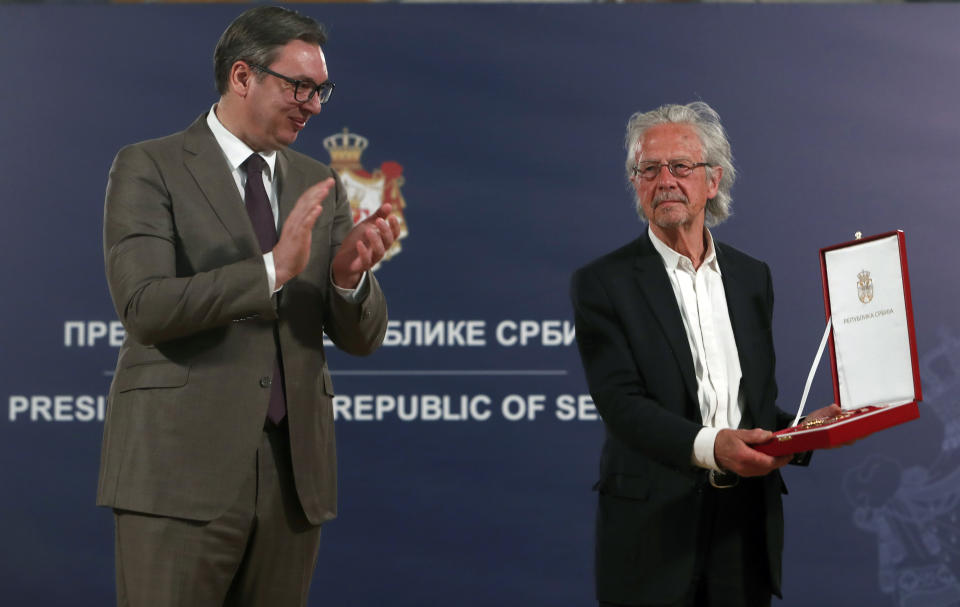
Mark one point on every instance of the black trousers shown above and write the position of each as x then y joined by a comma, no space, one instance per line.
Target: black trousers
261,552
731,567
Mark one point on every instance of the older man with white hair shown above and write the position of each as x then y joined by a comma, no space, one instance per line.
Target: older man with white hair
674,331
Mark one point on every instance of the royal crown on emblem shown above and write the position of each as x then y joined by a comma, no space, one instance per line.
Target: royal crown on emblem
863,277
345,149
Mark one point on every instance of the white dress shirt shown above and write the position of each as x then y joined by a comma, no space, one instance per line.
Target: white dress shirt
236,153
706,320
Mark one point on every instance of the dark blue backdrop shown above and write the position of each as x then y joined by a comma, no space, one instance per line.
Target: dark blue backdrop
508,121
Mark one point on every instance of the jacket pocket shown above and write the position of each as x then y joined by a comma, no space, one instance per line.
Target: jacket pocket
152,374
621,485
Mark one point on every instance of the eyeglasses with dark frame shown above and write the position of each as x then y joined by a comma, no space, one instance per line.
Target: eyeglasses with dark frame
303,91
648,171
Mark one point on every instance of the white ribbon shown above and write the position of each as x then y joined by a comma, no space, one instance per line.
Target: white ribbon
813,370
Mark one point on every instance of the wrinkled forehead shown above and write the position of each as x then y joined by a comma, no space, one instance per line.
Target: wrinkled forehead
669,141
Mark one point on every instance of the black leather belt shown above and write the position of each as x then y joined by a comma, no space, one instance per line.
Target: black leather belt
723,480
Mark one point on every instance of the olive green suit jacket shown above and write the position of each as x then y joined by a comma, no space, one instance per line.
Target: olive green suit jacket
189,397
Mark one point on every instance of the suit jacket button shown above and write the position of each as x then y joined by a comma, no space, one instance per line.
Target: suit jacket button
265,382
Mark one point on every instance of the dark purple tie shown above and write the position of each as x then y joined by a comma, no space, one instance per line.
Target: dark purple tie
261,216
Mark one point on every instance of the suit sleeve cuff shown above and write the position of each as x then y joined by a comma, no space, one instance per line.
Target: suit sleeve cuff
355,295
702,455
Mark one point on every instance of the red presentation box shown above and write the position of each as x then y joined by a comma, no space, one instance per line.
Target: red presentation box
873,349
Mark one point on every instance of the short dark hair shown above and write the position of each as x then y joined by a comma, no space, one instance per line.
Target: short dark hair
257,35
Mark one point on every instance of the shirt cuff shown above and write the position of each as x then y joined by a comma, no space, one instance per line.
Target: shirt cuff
355,295
702,455
271,271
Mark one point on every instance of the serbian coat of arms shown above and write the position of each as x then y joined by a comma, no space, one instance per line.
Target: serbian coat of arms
366,190
864,287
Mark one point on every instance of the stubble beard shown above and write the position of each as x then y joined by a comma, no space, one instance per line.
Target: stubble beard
675,218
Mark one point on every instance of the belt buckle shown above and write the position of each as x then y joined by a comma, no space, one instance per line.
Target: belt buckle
723,480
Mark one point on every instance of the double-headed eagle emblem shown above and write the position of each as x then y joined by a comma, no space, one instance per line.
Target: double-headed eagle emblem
864,287
366,190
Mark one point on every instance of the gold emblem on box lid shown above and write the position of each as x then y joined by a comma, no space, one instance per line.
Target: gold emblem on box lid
864,287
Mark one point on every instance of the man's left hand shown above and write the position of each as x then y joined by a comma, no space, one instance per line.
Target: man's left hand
364,247
824,413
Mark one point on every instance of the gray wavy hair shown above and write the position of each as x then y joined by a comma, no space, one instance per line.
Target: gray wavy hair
713,138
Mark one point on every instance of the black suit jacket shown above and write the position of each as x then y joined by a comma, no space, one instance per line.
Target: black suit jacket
640,373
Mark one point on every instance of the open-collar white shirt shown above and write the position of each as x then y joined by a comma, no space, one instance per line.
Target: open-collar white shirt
706,320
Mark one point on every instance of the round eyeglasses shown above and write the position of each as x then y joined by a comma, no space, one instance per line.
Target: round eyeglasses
648,171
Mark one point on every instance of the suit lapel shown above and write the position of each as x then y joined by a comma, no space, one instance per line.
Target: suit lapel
738,294
291,184
656,290
205,162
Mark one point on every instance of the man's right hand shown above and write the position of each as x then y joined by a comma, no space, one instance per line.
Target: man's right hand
293,249
733,453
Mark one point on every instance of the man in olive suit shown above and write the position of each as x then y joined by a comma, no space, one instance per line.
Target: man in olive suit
228,256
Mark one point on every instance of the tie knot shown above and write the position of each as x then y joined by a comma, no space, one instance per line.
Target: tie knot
254,164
